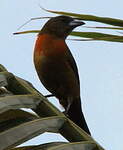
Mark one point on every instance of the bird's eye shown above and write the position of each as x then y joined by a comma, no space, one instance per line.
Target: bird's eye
65,20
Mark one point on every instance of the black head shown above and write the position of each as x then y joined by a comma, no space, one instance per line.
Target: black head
61,26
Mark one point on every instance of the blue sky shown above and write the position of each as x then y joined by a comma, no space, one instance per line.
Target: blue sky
100,63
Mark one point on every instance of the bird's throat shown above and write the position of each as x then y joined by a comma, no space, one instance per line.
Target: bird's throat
48,45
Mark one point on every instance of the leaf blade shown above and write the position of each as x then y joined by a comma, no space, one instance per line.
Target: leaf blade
106,20
98,36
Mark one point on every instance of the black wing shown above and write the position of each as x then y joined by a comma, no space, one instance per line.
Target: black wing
73,65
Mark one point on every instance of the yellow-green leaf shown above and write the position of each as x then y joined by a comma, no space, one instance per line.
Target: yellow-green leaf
106,20
25,32
98,36
112,28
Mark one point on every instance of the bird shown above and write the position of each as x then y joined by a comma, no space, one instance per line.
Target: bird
56,67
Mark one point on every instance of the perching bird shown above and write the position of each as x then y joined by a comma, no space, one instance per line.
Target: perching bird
57,68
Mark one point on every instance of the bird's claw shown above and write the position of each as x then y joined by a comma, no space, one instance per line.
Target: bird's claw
65,113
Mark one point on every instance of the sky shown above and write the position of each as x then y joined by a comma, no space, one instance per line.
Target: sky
100,63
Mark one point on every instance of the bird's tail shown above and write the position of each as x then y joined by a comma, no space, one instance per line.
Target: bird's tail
76,115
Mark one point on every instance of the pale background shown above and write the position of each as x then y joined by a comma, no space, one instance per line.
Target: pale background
100,63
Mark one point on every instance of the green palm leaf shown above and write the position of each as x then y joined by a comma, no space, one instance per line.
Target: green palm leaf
106,20
18,126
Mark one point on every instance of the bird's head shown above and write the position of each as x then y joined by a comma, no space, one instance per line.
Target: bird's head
60,26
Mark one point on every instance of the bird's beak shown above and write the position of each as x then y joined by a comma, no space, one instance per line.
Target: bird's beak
76,23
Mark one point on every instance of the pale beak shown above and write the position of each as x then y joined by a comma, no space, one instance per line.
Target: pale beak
76,23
